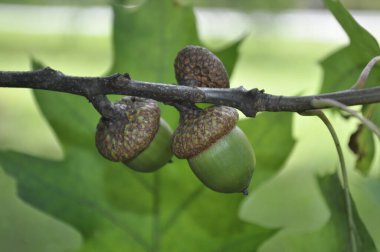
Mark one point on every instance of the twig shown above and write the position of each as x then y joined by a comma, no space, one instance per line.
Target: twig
351,222
248,101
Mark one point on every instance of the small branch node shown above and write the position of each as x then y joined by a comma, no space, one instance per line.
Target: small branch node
120,80
253,92
51,71
241,88
127,75
249,112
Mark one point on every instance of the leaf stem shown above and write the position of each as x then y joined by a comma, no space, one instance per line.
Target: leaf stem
317,103
350,216
360,83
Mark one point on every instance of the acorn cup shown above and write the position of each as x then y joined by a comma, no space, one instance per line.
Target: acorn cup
217,150
198,67
136,136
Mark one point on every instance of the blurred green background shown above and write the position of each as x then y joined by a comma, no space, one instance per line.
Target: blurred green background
238,4
278,55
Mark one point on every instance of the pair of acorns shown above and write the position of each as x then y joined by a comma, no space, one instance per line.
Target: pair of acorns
218,152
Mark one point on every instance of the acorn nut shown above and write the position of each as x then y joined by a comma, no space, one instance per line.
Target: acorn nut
217,150
136,136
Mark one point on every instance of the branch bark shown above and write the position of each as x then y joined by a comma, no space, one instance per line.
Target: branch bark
248,101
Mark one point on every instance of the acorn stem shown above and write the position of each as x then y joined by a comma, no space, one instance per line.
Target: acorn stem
186,110
183,108
104,106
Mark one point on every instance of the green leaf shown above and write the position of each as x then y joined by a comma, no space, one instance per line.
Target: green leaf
335,199
229,55
342,68
271,136
146,40
362,145
36,64
155,41
26,229
334,235
115,208
366,192
376,114
362,142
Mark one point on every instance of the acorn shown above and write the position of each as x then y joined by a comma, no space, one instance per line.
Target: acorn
198,67
218,152
136,135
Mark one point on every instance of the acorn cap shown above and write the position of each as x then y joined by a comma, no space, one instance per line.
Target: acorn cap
198,67
124,138
200,129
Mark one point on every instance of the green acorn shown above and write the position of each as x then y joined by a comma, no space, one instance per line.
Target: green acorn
217,150
136,136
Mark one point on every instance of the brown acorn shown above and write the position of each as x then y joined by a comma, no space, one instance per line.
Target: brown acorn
136,136
218,151
198,67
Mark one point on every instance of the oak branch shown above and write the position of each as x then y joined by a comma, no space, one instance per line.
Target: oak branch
248,101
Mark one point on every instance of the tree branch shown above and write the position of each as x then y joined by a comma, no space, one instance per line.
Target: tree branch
248,101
